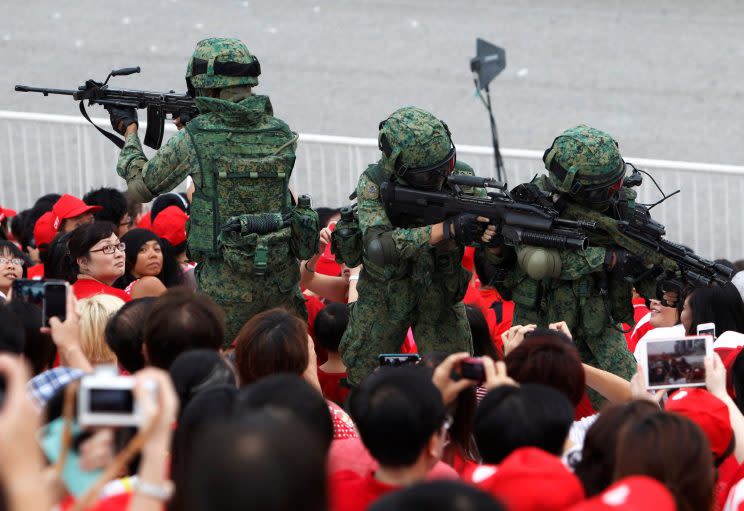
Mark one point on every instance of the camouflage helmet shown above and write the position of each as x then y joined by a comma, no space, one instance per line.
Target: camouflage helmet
220,62
585,163
417,147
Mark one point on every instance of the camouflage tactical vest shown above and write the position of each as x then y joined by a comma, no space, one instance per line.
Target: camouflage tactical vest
245,170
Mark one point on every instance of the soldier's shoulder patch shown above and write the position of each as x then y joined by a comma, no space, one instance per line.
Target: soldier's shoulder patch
370,191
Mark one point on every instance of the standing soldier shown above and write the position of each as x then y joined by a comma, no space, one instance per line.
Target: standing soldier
244,232
587,289
412,274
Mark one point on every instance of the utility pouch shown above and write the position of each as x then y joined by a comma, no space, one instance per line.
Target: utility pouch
305,229
346,240
245,251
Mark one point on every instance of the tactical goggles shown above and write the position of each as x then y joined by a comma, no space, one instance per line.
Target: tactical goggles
430,177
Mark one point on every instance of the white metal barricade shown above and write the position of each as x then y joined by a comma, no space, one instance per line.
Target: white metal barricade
42,153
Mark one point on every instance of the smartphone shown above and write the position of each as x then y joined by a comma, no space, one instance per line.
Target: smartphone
398,359
49,295
472,369
55,300
707,329
676,362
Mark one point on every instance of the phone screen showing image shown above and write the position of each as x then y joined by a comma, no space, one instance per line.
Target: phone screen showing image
29,291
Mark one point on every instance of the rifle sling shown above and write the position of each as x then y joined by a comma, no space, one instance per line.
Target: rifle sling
116,140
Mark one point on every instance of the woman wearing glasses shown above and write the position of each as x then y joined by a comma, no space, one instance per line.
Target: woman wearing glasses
97,259
12,267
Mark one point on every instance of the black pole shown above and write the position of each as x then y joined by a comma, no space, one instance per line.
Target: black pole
497,160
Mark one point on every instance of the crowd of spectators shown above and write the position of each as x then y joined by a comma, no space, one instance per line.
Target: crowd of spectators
271,423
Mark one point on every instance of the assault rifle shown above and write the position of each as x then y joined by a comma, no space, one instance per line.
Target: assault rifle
675,266
158,104
518,216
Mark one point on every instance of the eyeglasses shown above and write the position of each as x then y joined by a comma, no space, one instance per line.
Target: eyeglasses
110,249
15,261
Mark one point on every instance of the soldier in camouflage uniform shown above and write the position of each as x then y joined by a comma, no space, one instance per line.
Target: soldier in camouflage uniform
412,276
241,158
586,289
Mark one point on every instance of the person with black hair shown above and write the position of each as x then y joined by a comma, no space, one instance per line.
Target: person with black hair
532,415
165,200
12,335
96,258
255,463
288,397
180,321
125,332
438,496
330,324
194,371
212,406
38,348
482,341
12,267
460,452
150,267
403,423
721,305
114,204
57,264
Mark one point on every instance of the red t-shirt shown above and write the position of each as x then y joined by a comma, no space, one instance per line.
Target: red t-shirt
642,317
333,389
350,454
348,491
35,272
85,288
314,305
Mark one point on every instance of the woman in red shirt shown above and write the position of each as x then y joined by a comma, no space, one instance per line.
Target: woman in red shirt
97,259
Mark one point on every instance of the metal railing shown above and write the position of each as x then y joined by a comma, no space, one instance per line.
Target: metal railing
42,153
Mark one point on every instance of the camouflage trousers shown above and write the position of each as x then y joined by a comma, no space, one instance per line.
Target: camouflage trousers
379,320
241,295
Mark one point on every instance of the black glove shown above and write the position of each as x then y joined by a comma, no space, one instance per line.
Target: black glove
122,117
620,261
464,228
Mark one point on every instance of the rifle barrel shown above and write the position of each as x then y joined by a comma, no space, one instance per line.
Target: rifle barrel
43,90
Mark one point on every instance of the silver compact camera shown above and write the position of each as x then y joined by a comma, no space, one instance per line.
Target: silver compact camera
107,399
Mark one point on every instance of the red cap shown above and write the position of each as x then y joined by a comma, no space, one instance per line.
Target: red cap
69,206
530,479
171,225
708,412
6,213
44,230
634,493
145,222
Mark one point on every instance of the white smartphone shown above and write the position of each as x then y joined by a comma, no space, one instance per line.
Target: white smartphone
707,329
676,362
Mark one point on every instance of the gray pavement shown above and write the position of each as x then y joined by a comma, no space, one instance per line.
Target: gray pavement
664,77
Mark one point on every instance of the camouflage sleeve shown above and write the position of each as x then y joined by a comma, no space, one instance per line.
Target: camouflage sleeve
577,263
166,170
372,216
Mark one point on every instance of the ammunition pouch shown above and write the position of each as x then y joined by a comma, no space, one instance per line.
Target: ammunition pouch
346,242
305,227
250,252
